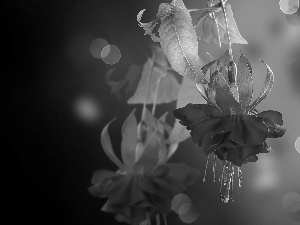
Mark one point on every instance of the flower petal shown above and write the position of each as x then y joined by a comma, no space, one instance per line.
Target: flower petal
129,140
269,81
255,132
101,175
244,81
203,127
151,155
119,190
183,173
107,147
274,130
274,116
211,142
195,112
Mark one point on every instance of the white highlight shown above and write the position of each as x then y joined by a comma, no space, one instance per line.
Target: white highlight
289,6
297,144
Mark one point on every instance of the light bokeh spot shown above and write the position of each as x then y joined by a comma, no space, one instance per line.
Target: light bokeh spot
178,201
87,109
291,202
297,144
188,213
289,6
111,54
97,46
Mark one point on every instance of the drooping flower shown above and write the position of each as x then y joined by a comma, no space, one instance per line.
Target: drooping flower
145,183
228,124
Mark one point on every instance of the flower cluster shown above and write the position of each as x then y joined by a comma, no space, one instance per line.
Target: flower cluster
228,124
145,183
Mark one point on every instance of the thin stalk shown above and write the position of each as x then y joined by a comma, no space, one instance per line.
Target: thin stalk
227,30
156,92
147,91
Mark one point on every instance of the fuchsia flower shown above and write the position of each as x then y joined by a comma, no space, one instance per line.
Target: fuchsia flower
228,124
144,184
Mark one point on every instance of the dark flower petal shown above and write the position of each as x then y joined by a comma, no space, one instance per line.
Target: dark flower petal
274,130
212,111
255,132
274,116
195,112
249,130
252,158
204,127
180,114
211,142
241,155
225,127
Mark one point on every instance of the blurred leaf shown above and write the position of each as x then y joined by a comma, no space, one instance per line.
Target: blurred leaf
167,90
129,82
188,93
160,59
211,28
129,140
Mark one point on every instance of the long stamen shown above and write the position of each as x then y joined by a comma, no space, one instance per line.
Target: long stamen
214,167
205,169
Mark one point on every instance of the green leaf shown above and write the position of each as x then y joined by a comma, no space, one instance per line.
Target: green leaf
107,147
179,41
129,140
188,93
160,59
268,84
166,82
244,81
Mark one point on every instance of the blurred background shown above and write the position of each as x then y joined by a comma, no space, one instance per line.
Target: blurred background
56,102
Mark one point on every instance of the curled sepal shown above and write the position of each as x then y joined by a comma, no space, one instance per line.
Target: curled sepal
207,66
232,71
268,84
129,140
107,147
244,81
148,27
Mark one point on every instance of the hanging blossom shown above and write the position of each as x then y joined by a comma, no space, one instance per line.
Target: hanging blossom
145,183
228,125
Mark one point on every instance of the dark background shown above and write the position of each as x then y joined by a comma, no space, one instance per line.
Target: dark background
50,154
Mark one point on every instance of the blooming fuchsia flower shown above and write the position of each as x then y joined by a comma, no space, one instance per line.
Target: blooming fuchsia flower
229,124
144,184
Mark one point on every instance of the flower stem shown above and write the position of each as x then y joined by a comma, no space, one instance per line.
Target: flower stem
227,30
156,92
